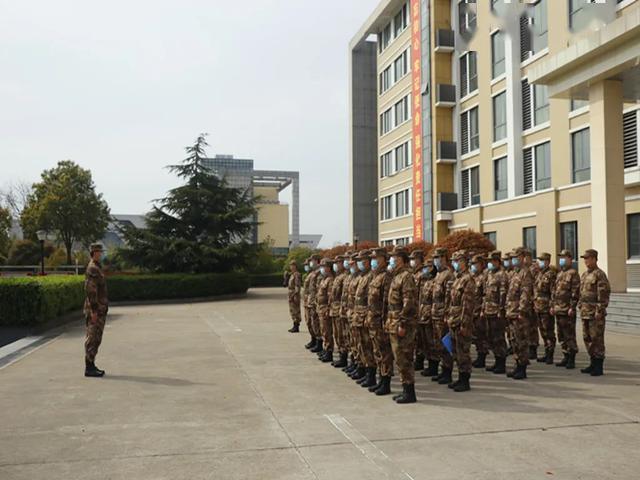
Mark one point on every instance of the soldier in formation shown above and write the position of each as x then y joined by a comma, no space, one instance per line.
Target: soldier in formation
294,285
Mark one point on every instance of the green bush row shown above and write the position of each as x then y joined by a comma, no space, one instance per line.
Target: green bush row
34,301
266,280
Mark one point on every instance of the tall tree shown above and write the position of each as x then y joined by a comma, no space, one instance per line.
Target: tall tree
200,226
65,203
5,231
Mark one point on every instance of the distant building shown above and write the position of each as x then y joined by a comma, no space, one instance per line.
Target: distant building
309,241
113,238
16,230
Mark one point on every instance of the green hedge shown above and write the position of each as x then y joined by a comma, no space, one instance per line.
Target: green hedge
266,280
33,301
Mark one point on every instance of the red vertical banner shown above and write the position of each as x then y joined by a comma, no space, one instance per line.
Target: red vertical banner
416,74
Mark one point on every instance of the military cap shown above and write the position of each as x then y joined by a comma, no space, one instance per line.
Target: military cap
354,256
364,255
417,253
590,253
440,252
379,252
477,259
400,250
348,254
96,247
339,258
495,255
526,252
327,262
293,262
459,255
544,256
315,256
565,253
516,252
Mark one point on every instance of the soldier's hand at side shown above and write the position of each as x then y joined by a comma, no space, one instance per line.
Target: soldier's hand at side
552,311
94,317
571,312
401,331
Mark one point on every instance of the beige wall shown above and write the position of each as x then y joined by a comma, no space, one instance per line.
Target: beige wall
273,218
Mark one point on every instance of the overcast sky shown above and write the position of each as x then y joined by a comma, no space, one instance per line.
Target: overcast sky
121,87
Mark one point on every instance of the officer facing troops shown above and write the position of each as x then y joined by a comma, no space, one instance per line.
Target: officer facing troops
335,311
479,275
493,310
542,292
96,307
294,286
401,322
424,334
416,260
564,303
323,301
519,312
594,300
460,318
366,375
440,298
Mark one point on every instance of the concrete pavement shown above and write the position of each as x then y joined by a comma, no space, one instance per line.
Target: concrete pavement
220,390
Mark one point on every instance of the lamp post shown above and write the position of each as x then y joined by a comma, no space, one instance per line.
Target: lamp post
42,236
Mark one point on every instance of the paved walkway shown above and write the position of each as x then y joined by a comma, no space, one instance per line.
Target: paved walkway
222,391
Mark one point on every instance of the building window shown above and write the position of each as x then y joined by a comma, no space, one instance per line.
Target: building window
470,179
401,110
577,104
581,156
385,37
385,80
394,28
468,73
569,237
469,131
396,159
533,30
630,134
497,54
633,235
500,116
403,241
492,237
386,164
401,66
529,240
386,122
403,205
578,17
500,182
387,207
536,168
403,156
387,243
466,16
535,105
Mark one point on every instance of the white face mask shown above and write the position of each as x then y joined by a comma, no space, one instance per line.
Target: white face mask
412,263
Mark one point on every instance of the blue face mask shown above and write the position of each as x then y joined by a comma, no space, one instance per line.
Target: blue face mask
323,271
563,262
437,263
541,263
412,263
389,268
474,269
506,264
456,266
306,268
515,262
361,265
335,267
352,270
490,267
425,270
345,264
392,262
374,264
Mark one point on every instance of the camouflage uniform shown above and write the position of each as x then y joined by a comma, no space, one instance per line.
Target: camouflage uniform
564,298
440,295
534,336
361,311
542,291
294,285
417,257
323,303
479,324
335,298
306,285
519,305
96,303
354,341
377,303
314,281
594,300
425,335
493,308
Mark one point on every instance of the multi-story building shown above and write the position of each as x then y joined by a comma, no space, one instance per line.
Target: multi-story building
528,125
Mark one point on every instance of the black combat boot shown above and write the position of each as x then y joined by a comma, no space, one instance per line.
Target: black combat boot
90,370
318,346
500,367
385,386
373,388
588,369
543,358
342,361
564,361
598,367
370,379
463,383
311,344
436,377
328,357
480,361
509,350
491,368
453,384
432,370
358,373
349,364
445,377
419,362
351,368
294,329
408,394
520,373
550,353
513,371
571,361
533,352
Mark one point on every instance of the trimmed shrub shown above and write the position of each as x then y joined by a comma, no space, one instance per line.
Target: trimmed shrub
266,280
468,240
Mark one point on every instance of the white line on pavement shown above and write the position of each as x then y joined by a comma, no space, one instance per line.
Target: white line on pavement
28,351
368,449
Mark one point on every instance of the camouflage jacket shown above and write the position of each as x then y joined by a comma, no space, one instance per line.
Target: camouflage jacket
345,294
594,294
462,300
426,301
480,279
495,293
314,281
305,287
361,299
520,294
378,294
351,296
543,289
335,297
566,292
95,287
295,280
323,294
403,301
441,286
418,279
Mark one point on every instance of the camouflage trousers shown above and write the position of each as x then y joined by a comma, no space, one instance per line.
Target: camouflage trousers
354,343
461,338
402,348
425,341
340,334
315,320
326,331
547,326
440,329
93,336
593,336
382,353
567,333
534,338
365,347
294,310
496,326
308,318
480,339
520,332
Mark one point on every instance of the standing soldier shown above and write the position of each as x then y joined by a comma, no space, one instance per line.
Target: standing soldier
96,307
377,302
479,324
534,337
493,309
416,260
354,343
542,291
401,322
366,376
460,318
323,301
564,303
294,285
519,308
314,283
424,334
594,300
344,310
441,287
339,332
508,270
